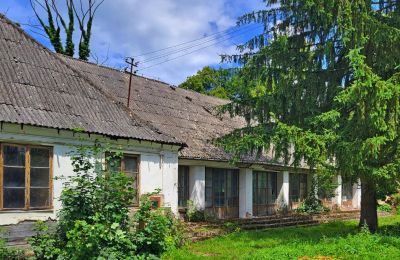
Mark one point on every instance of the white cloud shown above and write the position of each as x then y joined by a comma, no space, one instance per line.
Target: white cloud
132,27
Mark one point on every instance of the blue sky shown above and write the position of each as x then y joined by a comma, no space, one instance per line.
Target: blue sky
132,27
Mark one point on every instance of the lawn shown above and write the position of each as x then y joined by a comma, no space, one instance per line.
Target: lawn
335,240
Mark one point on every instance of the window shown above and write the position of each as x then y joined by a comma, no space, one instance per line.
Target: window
347,190
129,165
297,187
25,177
183,186
264,188
222,187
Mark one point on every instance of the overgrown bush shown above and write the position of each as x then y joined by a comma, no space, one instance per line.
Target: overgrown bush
384,208
157,230
312,205
193,214
94,221
394,200
7,253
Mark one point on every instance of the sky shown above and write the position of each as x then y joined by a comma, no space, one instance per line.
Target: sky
125,28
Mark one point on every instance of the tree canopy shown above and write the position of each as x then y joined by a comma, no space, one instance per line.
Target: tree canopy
210,81
322,83
53,23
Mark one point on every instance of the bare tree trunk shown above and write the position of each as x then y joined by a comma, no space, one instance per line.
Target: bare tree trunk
369,214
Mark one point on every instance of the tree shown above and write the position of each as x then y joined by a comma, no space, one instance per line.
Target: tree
322,82
209,81
84,15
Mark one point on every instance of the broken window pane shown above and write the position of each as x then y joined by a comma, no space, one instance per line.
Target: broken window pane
40,157
40,177
14,177
14,198
40,197
14,155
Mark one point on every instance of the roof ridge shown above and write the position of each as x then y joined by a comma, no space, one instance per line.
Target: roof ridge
139,76
113,69
108,96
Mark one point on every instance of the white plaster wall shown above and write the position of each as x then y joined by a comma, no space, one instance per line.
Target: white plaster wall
357,195
158,165
160,171
283,186
170,181
197,186
338,190
245,193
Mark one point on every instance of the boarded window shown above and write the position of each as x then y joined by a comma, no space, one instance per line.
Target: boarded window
129,165
222,187
183,186
297,187
25,177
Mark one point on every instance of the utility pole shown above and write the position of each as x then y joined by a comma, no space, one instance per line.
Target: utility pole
131,62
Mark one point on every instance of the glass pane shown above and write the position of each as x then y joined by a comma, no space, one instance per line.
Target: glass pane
40,177
39,198
40,157
130,164
14,198
14,177
14,155
131,175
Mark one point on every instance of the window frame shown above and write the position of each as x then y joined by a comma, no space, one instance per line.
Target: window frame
302,178
27,186
122,169
183,196
220,178
270,187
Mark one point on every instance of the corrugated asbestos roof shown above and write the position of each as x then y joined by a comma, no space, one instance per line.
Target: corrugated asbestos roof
37,87
187,115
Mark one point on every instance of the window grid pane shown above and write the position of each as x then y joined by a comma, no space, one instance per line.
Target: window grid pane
21,179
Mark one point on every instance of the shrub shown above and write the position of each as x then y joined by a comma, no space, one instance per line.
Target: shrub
193,214
94,220
312,205
44,244
394,200
156,230
9,253
384,208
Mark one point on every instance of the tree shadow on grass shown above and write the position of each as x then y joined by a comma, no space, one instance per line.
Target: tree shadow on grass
313,234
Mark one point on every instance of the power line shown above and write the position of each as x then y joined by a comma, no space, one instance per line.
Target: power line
180,44
189,47
177,57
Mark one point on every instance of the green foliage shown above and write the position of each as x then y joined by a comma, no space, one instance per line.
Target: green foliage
94,220
209,81
324,88
312,205
193,214
44,243
56,23
384,208
334,240
395,199
9,253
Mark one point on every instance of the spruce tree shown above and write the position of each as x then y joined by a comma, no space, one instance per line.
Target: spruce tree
321,85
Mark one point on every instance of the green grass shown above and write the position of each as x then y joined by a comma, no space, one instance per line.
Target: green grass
335,240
